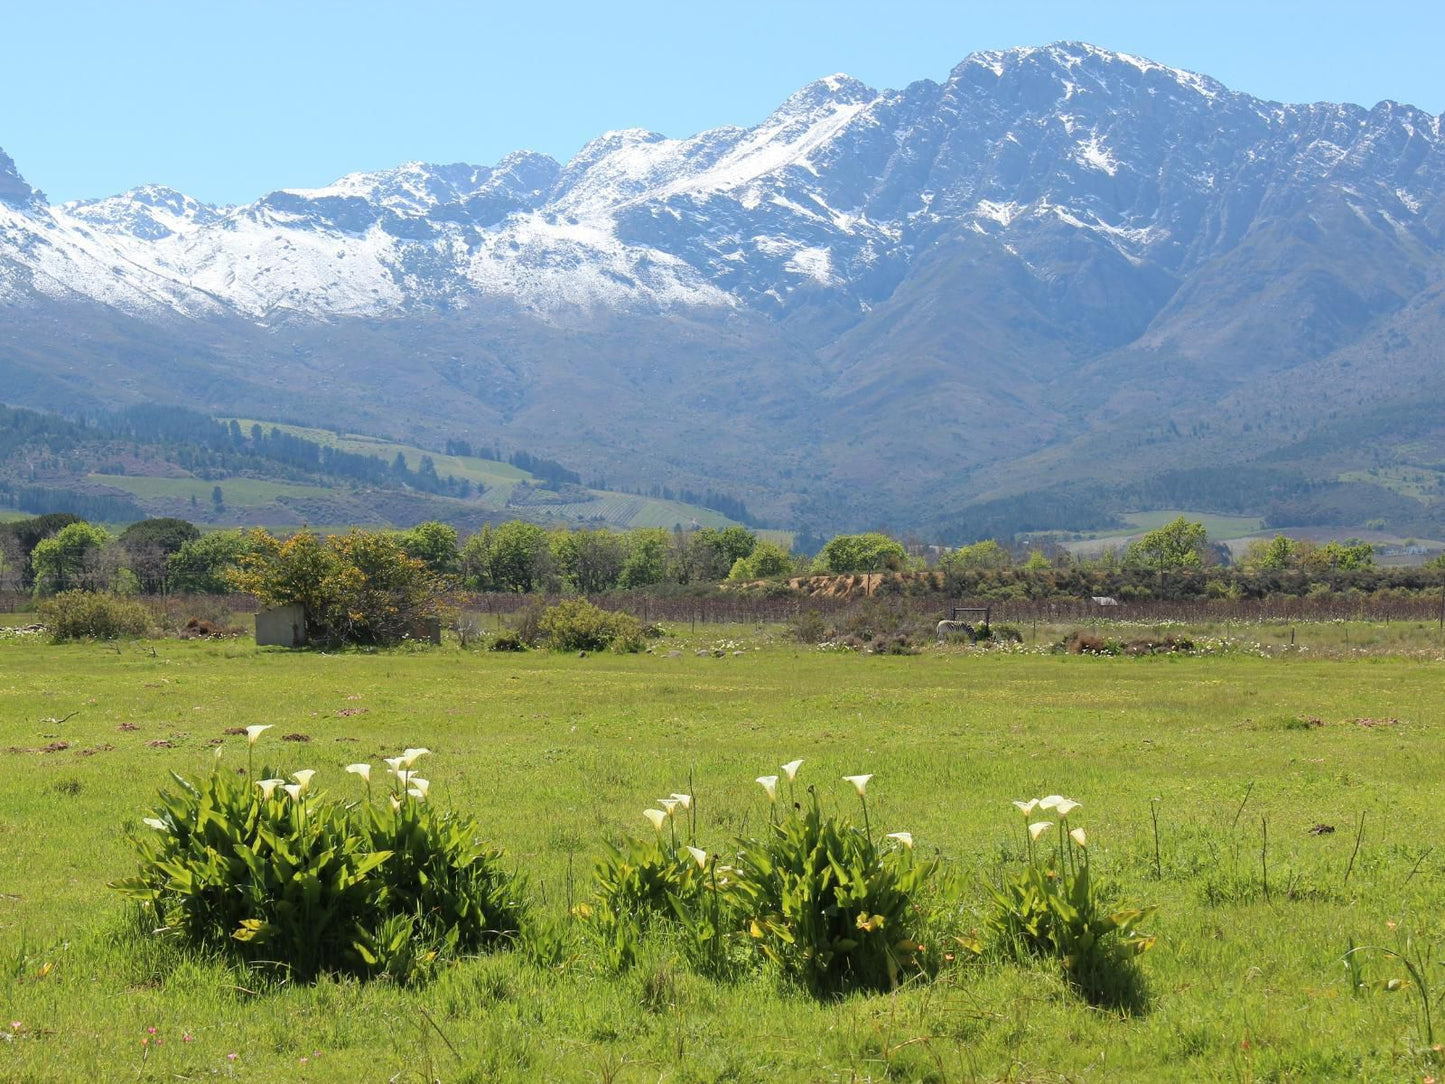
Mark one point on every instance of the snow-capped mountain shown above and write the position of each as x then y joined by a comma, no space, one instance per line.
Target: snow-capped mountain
1030,238
836,190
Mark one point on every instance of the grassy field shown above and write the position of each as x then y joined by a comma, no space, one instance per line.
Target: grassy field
556,753
241,492
612,509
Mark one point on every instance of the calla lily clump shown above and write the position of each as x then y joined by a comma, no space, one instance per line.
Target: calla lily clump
1052,908
815,895
283,876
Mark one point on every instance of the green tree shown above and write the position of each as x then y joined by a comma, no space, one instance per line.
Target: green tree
358,588
433,543
767,560
715,551
1178,544
646,561
871,552
985,554
66,560
591,561
520,558
1275,554
476,560
150,543
199,567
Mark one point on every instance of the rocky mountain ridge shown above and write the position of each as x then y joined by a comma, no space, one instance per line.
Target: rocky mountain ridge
1051,251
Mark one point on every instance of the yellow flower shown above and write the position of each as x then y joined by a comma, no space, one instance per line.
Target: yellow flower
699,856
905,838
254,732
860,782
790,769
769,783
656,816
1038,828
363,770
1077,835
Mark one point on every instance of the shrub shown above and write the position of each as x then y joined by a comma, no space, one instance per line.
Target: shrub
808,627
507,640
1052,908
81,615
578,625
639,883
277,875
828,906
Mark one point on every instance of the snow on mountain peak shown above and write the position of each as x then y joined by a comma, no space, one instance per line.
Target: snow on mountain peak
14,189
837,189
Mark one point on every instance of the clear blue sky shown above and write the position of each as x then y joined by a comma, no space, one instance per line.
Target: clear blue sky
229,100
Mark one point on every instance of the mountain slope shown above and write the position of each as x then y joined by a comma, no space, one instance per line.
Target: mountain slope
1058,264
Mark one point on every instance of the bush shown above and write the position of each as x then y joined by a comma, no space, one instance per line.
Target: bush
318,886
640,883
578,625
507,640
830,908
808,627
82,615
1052,908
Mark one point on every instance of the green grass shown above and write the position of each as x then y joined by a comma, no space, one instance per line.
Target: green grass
240,492
1218,526
613,509
556,753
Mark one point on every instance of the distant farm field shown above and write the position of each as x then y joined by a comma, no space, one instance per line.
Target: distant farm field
555,754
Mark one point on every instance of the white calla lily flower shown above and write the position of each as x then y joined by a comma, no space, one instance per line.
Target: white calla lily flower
408,756
790,769
1077,835
769,783
156,823
254,732
1066,806
860,782
304,777
1051,801
1038,828
295,790
417,793
699,856
684,800
268,787
1027,807
422,785
905,838
363,770
656,816
395,804
669,805
393,764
